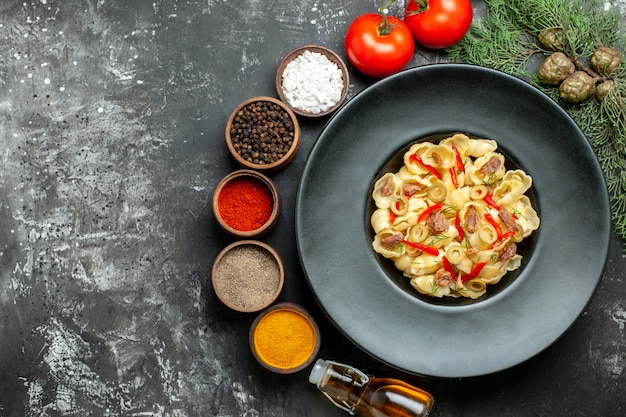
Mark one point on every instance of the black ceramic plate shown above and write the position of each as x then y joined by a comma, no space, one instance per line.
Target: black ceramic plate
371,303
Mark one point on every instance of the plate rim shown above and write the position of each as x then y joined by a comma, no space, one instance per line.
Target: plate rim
416,72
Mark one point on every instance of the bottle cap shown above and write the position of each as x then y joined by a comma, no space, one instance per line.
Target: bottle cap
317,372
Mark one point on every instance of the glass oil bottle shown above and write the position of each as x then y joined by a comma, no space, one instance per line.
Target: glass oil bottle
367,396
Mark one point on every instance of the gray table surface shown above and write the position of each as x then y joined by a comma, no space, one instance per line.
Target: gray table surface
112,118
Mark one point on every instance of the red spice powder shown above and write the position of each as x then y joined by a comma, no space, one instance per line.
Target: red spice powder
245,203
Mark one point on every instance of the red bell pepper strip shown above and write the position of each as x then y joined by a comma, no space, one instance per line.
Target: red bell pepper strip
502,238
459,160
448,267
429,210
432,169
392,215
490,201
507,235
457,224
473,273
431,250
495,224
455,179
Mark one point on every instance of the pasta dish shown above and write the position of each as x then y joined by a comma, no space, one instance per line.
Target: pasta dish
450,219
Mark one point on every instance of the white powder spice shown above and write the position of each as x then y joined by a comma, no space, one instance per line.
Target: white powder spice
312,82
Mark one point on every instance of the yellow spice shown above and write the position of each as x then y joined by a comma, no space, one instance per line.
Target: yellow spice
284,339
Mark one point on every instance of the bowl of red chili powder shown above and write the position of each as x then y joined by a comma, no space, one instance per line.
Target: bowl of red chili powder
263,134
246,204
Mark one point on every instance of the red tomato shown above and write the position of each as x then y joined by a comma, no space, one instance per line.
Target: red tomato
441,23
376,49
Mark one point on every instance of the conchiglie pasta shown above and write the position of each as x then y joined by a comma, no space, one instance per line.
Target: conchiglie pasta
417,205
425,284
527,216
403,262
404,173
521,176
404,221
387,251
443,239
479,173
460,141
380,220
457,198
439,156
424,264
465,266
385,190
413,155
492,273
508,192
514,263
479,147
451,217
414,186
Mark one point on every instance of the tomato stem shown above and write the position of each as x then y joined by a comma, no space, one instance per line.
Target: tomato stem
385,27
422,6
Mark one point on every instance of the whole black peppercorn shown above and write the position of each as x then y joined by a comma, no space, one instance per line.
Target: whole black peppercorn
262,132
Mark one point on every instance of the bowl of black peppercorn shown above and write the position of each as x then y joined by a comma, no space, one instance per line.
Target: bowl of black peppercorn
263,133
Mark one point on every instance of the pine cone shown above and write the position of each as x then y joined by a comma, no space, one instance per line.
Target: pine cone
606,60
603,89
552,39
577,87
555,69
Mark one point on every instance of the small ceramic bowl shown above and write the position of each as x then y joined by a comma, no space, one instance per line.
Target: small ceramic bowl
284,338
248,276
283,90
263,133
246,204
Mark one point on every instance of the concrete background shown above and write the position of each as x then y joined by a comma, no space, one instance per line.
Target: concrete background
112,116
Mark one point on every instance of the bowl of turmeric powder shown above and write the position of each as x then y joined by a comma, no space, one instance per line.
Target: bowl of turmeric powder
285,338
246,204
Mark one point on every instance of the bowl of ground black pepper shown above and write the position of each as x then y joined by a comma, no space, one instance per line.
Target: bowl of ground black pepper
248,275
246,204
263,133
312,80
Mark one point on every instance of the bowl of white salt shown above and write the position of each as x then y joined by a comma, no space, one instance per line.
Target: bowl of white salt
312,80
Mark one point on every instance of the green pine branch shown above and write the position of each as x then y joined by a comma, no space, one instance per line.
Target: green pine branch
506,40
